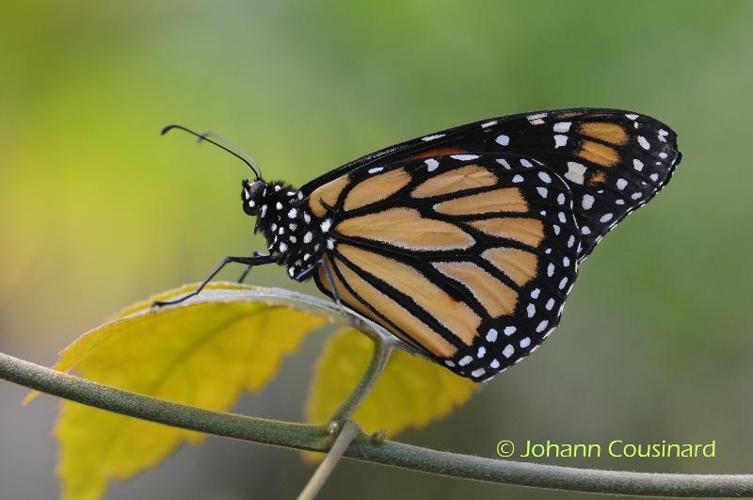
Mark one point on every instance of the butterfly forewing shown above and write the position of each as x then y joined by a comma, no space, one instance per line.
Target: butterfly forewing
613,161
467,257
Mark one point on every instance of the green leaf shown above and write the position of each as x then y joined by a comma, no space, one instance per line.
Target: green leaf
204,353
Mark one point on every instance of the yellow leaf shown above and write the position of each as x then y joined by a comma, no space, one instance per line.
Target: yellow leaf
204,353
411,392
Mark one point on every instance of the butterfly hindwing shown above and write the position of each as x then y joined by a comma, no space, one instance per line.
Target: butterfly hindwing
467,257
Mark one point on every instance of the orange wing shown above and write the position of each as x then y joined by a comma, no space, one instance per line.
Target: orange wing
468,258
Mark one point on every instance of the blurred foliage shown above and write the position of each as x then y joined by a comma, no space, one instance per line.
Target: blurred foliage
98,210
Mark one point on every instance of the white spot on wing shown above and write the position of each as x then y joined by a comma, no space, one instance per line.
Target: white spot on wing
502,140
575,172
464,157
587,202
491,335
562,127
504,163
536,119
432,137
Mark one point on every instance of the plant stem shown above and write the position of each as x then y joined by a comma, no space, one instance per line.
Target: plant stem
348,433
349,430
317,438
379,358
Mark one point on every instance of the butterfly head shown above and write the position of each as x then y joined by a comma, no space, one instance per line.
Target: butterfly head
253,196
274,204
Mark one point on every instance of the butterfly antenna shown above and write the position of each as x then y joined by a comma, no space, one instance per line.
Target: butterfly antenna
208,133
204,137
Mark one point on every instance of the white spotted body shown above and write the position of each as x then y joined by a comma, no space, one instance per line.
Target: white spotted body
294,237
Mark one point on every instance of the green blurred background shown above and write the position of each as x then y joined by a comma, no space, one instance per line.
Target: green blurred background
98,211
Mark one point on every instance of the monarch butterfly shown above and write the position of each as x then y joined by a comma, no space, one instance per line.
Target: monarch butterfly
464,243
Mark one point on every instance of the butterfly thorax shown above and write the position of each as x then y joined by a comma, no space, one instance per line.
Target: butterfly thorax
294,236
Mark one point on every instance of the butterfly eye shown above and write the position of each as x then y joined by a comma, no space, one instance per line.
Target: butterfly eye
251,195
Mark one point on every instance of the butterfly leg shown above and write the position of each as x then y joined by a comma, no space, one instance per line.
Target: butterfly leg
256,260
244,275
330,279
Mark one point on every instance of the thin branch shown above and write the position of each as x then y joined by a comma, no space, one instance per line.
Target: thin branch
379,357
316,438
349,431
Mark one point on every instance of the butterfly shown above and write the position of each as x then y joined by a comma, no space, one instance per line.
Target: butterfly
464,243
